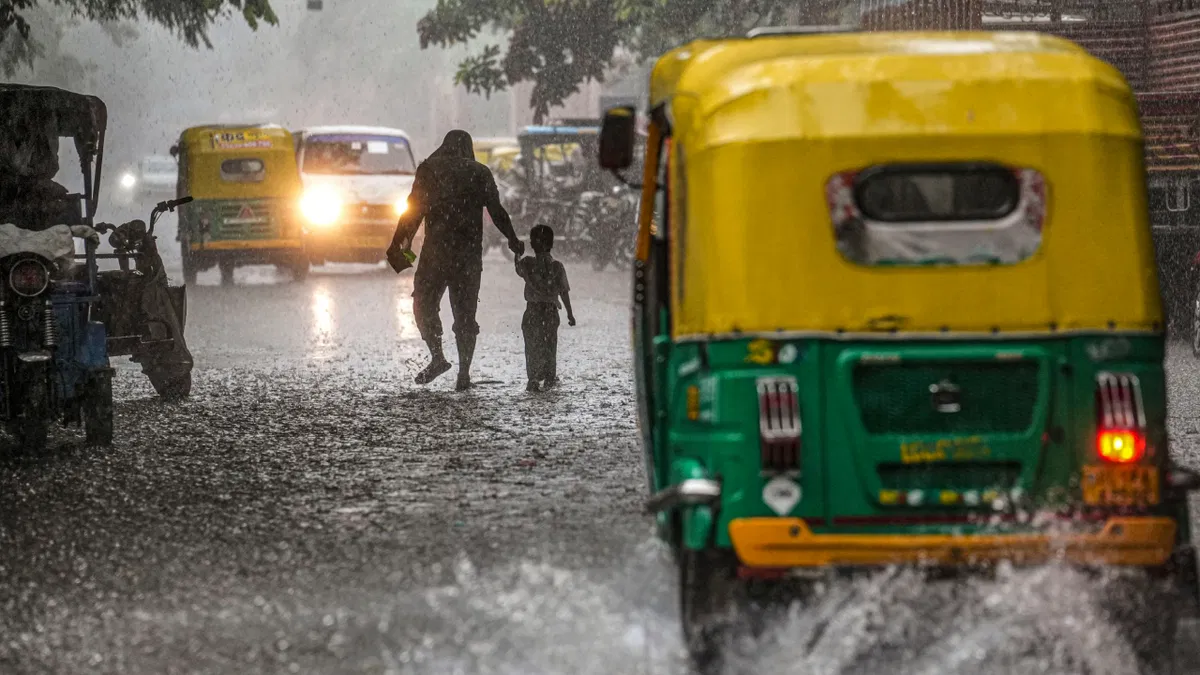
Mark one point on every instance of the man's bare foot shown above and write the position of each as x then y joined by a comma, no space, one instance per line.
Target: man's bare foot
432,371
463,383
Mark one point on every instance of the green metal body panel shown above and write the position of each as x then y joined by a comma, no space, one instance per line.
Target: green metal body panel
1027,425
270,219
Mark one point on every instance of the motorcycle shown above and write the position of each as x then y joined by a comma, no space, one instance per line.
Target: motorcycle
150,329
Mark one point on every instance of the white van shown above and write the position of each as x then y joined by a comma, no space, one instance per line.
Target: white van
356,184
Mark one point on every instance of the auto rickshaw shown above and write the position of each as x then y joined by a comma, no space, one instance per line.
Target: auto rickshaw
247,191
61,318
485,148
895,304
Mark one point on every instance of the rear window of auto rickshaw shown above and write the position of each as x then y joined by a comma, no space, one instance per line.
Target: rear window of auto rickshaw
243,170
942,214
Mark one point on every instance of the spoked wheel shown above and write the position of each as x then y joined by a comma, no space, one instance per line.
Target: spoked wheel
98,410
226,272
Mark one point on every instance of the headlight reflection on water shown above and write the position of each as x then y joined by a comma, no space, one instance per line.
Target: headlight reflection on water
324,325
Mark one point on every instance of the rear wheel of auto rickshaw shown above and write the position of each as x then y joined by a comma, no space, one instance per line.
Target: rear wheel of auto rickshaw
98,411
227,268
168,387
714,607
1147,614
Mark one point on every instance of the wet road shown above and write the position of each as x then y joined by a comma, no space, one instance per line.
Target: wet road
311,510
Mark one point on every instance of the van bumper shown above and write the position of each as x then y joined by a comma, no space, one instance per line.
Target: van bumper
790,543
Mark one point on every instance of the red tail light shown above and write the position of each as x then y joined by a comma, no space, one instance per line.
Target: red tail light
1121,447
779,424
1121,423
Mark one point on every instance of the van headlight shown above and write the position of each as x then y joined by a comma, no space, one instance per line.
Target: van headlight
321,206
400,206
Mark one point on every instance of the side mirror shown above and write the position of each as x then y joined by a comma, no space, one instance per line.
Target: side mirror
617,135
175,151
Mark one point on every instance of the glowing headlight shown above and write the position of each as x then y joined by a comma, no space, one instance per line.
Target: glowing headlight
128,180
321,206
401,206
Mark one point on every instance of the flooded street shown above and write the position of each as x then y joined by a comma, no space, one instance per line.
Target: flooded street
311,510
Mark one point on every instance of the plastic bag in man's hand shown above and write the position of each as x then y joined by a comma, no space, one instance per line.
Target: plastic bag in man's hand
401,259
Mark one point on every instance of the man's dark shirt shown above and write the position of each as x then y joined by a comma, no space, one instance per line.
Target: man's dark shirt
450,194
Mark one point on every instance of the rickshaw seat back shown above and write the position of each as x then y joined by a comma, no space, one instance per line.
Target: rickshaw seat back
760,128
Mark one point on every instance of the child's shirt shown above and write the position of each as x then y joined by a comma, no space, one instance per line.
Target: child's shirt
545,279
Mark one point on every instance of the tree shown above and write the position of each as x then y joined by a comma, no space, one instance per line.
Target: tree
21,44
560,44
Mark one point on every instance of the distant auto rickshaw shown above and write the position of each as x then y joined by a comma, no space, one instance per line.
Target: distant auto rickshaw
896,304
247,190
61,321
485,148
501,160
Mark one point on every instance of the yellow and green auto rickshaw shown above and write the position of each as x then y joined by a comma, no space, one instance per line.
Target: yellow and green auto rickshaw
485,148
896,304
247,188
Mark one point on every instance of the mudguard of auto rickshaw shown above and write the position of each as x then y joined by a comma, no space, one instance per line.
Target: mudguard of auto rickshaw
145,317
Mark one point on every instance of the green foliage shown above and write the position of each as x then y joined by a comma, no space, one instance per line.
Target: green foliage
21,44
560,44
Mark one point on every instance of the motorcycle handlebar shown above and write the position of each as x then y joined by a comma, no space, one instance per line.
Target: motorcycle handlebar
172,204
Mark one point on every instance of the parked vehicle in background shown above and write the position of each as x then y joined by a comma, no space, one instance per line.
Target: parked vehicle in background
561,185
486,148
356,185
154,178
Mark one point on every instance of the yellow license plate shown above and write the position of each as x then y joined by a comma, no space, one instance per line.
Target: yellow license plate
1120,485
368,242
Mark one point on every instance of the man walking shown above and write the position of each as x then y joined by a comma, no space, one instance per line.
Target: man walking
449,193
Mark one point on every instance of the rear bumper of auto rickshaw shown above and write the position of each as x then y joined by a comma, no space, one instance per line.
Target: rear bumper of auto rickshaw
775,543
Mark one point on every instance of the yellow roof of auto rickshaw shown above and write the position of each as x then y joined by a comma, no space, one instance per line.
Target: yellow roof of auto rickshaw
701,68
766,121
199,138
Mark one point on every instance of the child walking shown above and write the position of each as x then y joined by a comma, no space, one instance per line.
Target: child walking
545,282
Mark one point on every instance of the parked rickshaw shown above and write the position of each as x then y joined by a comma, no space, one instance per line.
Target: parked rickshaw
61,321
247,192
486,148
896,304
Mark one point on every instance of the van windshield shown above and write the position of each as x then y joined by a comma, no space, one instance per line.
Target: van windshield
358,155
